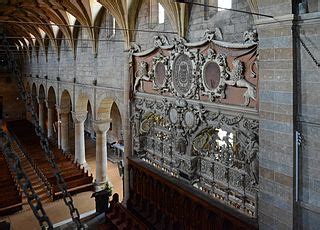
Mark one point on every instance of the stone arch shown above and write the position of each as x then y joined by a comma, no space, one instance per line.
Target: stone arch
104,109
27,87
82,102
115,132
42,92
34,90
65,101
88,123
51,97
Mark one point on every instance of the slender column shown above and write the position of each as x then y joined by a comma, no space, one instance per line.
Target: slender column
101,127
50,120
41,113
64,131
80,151
59,126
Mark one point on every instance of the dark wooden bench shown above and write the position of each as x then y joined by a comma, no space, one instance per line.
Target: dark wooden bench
77,180
10,198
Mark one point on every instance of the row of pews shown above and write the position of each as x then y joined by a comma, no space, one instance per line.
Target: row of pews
76,178
10,198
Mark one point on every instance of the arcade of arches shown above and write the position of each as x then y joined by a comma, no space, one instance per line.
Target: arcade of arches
200,117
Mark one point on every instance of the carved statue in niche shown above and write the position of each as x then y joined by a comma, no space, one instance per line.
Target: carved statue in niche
236,78
181,145
141,75
251,158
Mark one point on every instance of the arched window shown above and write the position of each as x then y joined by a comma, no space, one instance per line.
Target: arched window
161,14
111,25
156,13
224,4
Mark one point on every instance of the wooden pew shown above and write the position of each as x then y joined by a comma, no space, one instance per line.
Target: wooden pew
75,177
10,198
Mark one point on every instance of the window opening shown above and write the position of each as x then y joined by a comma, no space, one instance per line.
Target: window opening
161,14
224,4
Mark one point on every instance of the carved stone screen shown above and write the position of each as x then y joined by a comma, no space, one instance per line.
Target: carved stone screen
182,74
196,119
211,75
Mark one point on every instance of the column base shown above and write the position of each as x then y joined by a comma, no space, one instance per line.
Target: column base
98,186
85,166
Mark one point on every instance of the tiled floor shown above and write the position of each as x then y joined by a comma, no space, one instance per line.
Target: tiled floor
57,211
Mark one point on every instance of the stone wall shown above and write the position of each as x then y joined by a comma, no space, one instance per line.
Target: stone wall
276,109
310,122
232,24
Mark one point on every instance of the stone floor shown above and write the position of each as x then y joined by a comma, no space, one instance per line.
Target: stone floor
57,211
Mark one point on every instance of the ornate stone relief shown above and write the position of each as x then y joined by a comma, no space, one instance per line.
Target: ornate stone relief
191,73
216,152
177,129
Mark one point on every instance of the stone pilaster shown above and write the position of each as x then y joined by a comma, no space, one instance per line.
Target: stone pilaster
101,127
277,123
58,126
41,115
64,117
80,151
50,111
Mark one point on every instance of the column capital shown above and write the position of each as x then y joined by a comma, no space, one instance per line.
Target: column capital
101,126
79,117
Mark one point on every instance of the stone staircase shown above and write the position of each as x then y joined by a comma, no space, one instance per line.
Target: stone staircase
36,182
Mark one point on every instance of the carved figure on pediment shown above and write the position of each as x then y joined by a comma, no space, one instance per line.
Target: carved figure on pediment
141,75
236,78
250,36
179,44
160,40
210,35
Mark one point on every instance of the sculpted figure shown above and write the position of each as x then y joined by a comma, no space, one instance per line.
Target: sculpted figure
237,79
160,40
251,159
250,36
141,74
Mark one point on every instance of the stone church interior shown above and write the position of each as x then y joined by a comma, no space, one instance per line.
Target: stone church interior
160,114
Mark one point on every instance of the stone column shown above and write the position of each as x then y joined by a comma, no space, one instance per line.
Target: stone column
41,113
64,130
80,151
59,126
101,127
50,120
